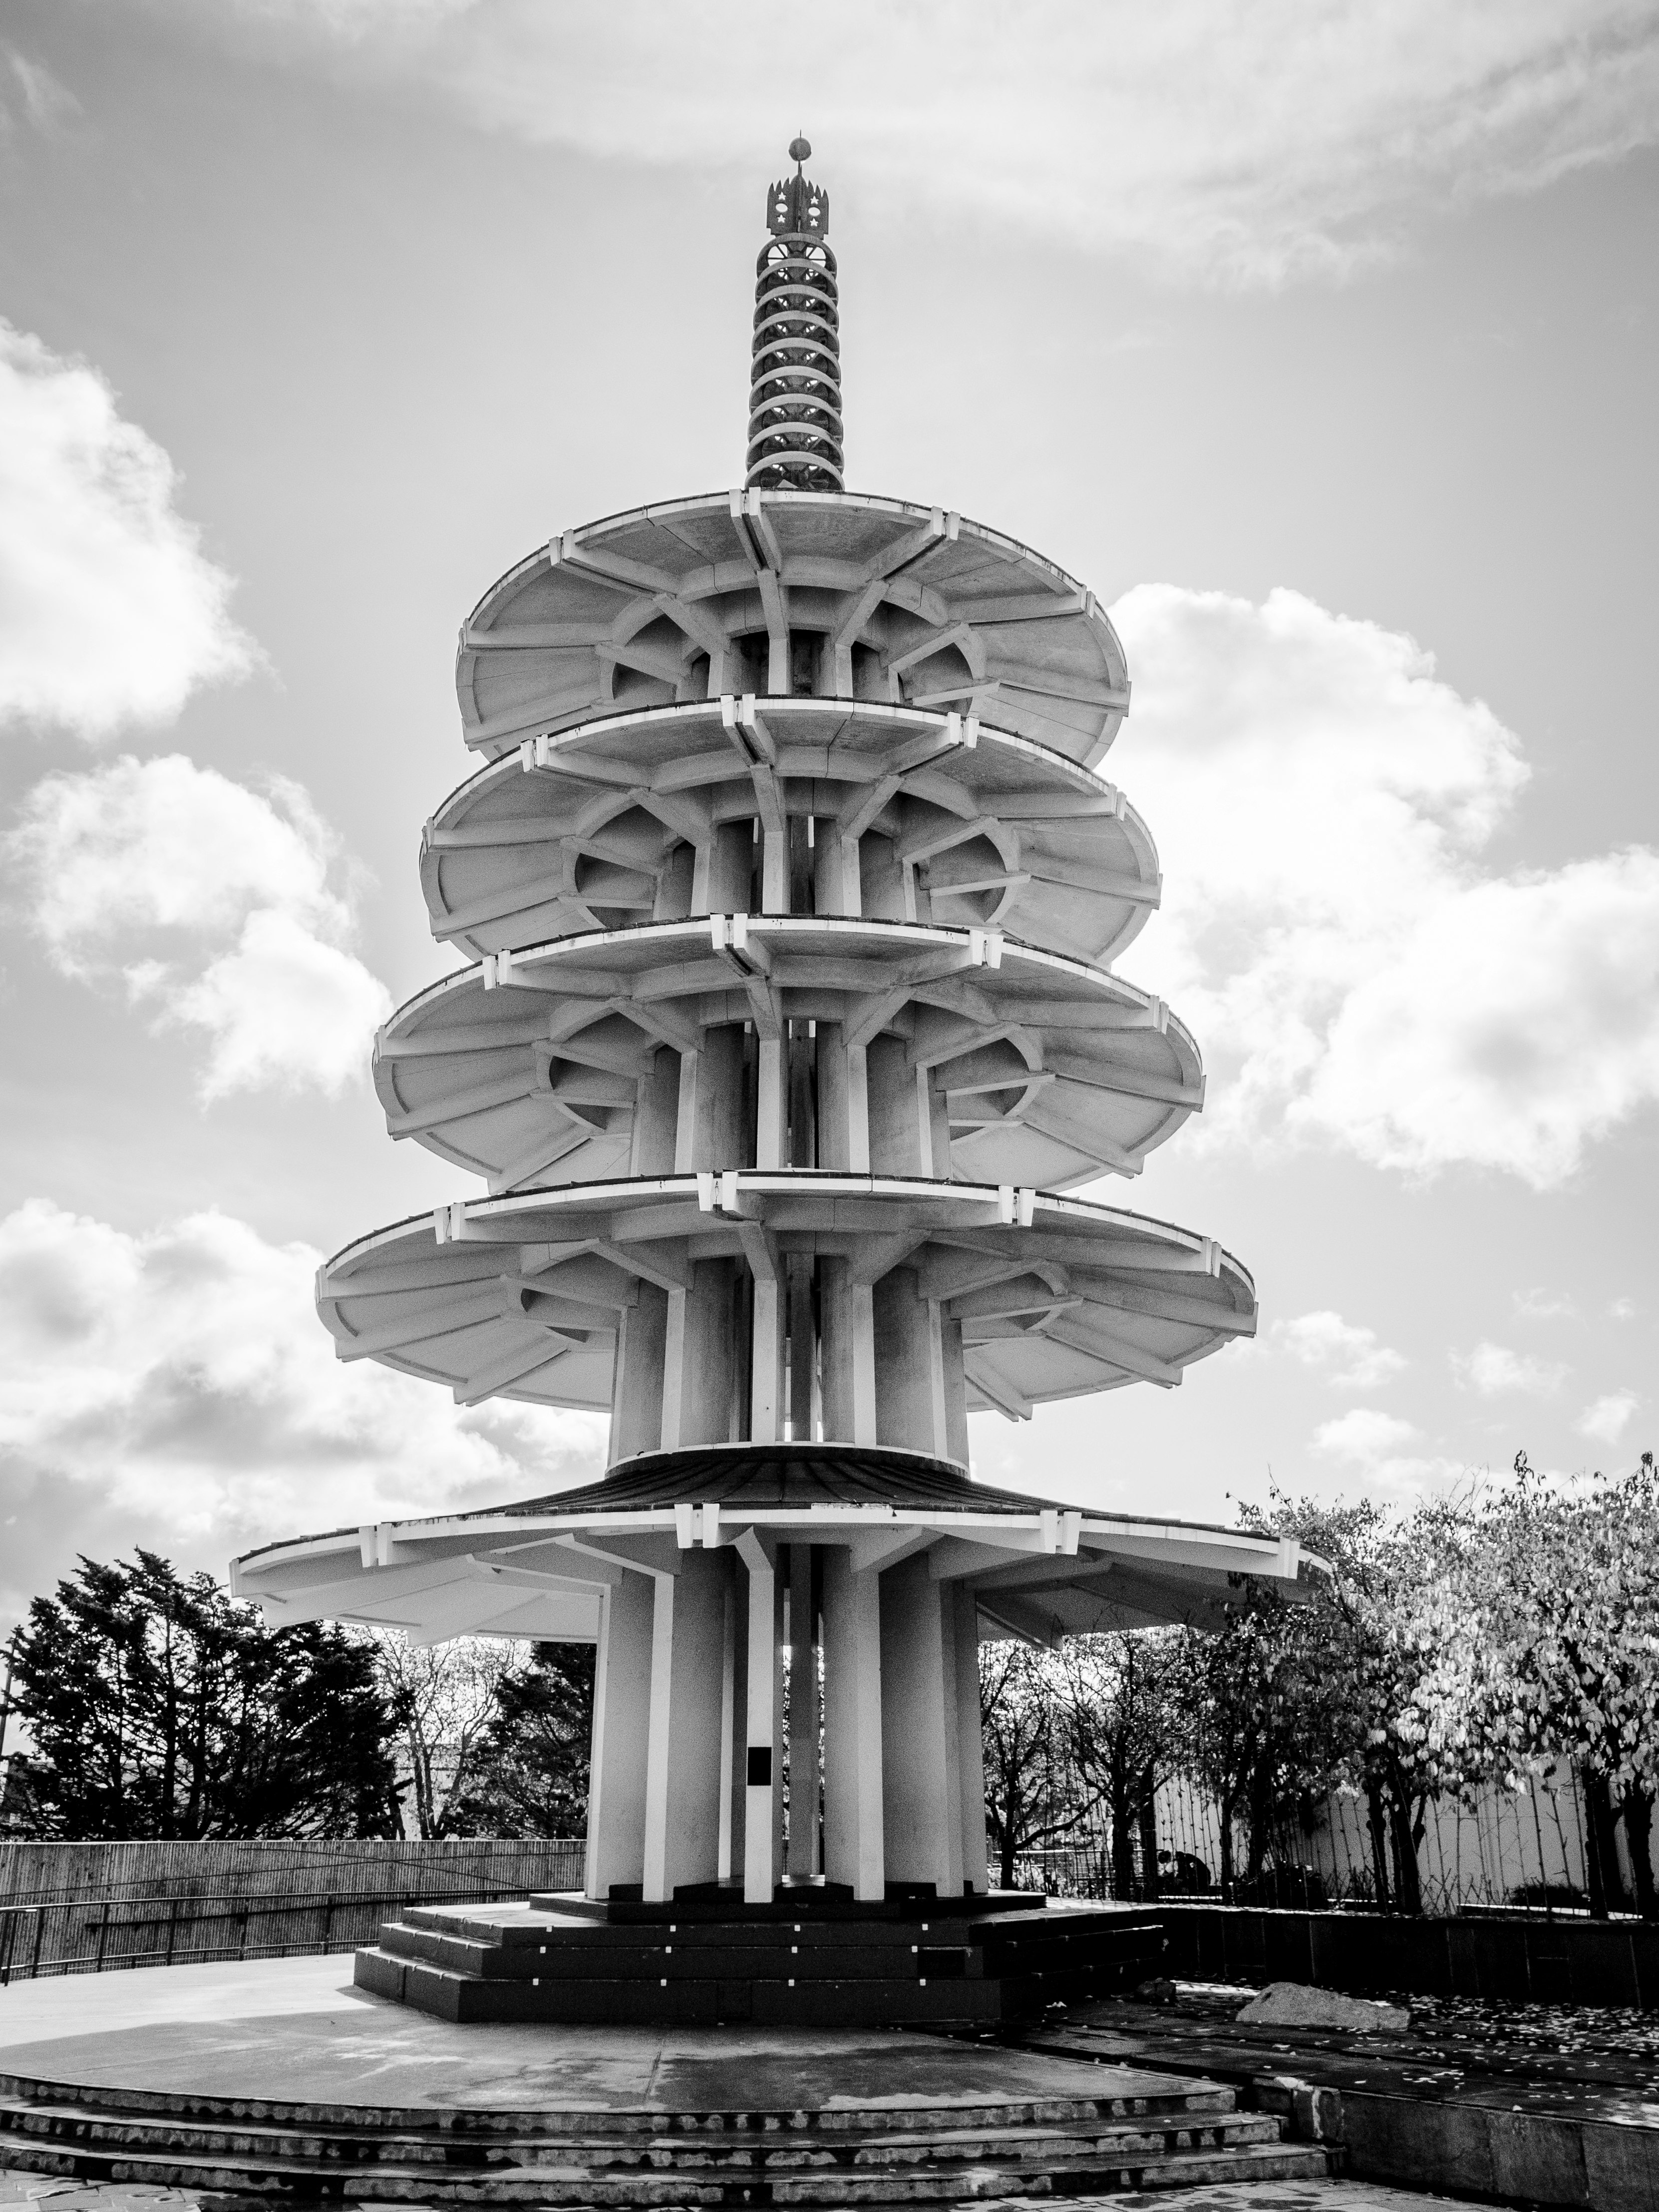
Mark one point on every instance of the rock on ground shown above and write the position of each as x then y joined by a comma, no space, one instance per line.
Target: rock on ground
1294,2004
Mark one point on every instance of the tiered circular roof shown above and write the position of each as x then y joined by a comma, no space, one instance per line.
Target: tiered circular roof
691,599
521,1297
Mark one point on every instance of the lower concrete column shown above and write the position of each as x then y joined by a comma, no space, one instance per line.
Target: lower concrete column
682,1764
853,1841
760,1859
922,1786
728,1724
970,1742
622,1721
803,1716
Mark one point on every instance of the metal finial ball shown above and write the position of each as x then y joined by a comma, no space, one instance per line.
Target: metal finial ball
801,149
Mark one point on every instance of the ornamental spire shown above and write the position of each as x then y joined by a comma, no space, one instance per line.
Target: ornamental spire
795,398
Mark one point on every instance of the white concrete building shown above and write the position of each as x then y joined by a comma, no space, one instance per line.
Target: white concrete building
792,887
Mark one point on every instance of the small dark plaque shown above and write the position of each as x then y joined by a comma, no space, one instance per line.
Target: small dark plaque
760,1766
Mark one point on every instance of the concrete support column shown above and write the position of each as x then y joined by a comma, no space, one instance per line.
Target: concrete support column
728,1725
909,1406
683,1765
846,1354
774,871
656,1116
766,1382
853,1840
699,1356
964,1626
803,1348
622,1721
843,1115
804,1715
835,871
636,1392
899,1111
771,1104
760,1778
920,1729
730,869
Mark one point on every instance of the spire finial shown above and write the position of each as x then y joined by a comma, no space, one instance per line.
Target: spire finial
794,400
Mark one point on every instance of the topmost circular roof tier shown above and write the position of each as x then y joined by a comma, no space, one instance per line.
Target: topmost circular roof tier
831,594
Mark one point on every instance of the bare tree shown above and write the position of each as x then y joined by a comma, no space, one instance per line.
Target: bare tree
1031,1789
445,1697
1120,1718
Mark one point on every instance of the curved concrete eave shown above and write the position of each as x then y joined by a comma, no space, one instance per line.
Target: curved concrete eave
659,603
542,1574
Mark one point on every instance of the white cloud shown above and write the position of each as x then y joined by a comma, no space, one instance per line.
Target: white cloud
1494,1370
123,862
46,103
1384,1451
183,1375
110,612
1622,1309
1539,1304
1605,1419
1321,800
1364,1434
1240,145
1319,1338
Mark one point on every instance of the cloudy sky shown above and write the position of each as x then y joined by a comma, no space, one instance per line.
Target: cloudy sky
1320,338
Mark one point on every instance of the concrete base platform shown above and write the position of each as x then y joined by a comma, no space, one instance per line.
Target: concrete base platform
284,2079
806,1959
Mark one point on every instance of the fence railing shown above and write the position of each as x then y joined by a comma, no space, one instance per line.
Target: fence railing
95,1935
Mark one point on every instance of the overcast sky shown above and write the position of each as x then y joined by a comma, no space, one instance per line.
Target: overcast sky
1320,339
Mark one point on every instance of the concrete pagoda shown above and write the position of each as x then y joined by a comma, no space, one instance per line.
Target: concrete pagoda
790,890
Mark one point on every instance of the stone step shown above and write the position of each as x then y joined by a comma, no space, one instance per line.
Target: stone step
1178,2101
1092,2173
775,2149
674,1962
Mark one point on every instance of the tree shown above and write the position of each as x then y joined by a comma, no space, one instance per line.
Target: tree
1030,1794
444,1698
530,1773
159,1707
1120,1725
1569,1585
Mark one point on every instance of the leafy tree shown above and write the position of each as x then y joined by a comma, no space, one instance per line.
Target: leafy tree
160,1707
529,1776
1567,1590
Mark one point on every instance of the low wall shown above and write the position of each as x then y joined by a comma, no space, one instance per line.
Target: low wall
304,1868
1525,1956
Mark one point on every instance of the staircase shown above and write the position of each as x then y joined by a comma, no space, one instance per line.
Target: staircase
1176,2135
806,1962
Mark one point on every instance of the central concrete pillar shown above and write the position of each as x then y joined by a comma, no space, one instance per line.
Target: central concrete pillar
761,1780
804,1715
683,1751
622,1724
920,1729
852,1846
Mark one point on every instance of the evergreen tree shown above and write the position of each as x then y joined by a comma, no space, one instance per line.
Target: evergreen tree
161,1708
